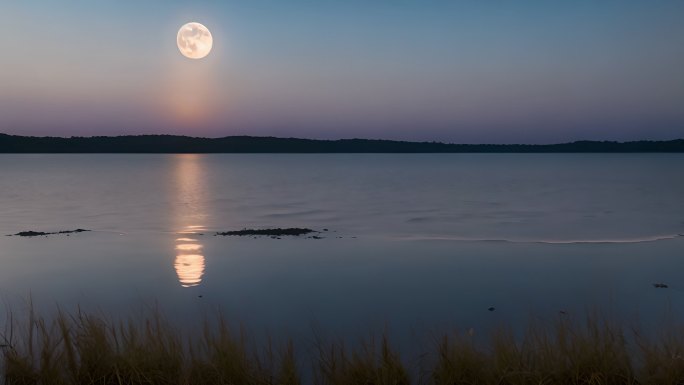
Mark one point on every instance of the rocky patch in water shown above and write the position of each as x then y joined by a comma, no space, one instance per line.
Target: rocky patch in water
44,234
293,231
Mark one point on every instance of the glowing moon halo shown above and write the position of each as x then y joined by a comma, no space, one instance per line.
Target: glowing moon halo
194,40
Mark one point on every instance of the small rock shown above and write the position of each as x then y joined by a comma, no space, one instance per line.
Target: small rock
492,308
30,234
660,286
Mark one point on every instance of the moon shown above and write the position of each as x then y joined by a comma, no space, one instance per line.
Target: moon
194,40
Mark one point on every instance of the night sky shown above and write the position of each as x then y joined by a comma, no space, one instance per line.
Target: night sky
456,71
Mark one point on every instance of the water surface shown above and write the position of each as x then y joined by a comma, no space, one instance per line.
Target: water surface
416,242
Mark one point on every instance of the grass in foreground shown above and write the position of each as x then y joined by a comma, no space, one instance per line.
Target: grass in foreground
86,349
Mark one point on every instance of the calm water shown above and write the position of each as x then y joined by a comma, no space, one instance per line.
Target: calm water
415,241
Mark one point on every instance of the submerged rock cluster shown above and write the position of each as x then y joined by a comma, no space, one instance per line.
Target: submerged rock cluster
31,233
293,231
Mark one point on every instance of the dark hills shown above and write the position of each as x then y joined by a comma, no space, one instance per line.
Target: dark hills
250,144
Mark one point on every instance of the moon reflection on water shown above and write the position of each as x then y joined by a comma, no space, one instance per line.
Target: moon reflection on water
189,263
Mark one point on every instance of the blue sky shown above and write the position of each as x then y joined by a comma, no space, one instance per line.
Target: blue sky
457,71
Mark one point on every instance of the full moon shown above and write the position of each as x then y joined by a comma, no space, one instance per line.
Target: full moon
194,40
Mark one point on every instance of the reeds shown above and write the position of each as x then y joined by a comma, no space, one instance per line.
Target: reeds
371,363
86,349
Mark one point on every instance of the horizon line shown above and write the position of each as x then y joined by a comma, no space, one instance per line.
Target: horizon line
606,141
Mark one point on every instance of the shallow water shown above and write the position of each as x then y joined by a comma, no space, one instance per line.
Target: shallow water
416,242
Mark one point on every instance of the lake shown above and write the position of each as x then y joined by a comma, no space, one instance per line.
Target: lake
414,242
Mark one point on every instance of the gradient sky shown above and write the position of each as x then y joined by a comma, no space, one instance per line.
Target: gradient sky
457,71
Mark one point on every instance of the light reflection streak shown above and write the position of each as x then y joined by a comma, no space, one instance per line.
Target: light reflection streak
189,187
188,247
190,268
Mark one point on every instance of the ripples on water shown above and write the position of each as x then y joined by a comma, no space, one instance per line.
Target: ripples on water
535,233
654,238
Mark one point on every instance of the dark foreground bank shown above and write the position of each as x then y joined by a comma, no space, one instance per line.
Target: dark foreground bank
250,144
87,349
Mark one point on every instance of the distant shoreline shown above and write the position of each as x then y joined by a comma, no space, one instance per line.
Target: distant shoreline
173,144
